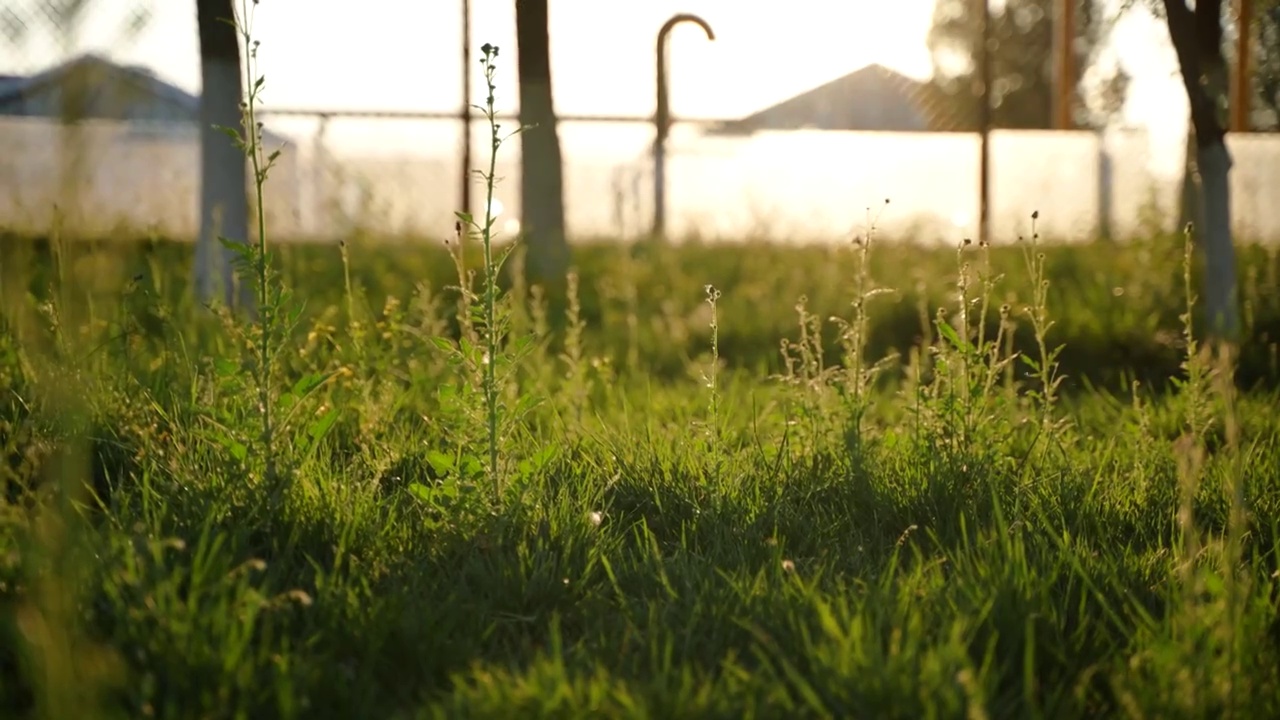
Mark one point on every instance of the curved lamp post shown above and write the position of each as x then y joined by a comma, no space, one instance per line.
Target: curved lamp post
662,119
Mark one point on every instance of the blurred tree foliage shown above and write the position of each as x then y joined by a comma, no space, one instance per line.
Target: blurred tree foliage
1266,66
1022,64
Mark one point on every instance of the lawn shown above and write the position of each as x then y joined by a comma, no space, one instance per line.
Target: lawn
1039,500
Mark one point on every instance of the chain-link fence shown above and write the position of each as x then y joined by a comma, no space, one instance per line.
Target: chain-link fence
803,185
349,183
35,31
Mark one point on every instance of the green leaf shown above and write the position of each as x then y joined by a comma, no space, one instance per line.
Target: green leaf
466,346
226,367
544,456
307,383
440,462
953,337
242,250
321,426
447,488
237,449
420,491
471,466
233,133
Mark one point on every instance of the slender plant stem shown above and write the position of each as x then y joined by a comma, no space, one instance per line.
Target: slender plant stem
491,282
253,140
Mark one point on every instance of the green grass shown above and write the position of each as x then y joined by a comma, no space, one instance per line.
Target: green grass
408,486
950,560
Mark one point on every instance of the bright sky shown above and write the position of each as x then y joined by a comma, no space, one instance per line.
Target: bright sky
405,54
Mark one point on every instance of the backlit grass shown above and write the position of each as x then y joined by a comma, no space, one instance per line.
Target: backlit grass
678,489
948,557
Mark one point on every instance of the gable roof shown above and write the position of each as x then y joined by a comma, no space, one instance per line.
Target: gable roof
6,81
872,98
110,88
110,91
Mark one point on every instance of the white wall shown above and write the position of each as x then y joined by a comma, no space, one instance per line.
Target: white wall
805,185
104,175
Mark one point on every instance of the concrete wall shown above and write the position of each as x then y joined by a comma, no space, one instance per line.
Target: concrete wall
103,175
805,185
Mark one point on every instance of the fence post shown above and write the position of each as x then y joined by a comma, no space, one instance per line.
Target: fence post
662,119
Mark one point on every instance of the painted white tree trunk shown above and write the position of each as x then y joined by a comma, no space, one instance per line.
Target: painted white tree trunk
1196,36
542,186
224,202
1222,315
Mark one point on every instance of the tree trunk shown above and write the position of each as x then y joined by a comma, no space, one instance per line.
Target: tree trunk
541,181
1214,163
224,199
1197,41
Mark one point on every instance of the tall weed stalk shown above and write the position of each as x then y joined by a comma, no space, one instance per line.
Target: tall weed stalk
1045,365
484,348
273,318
